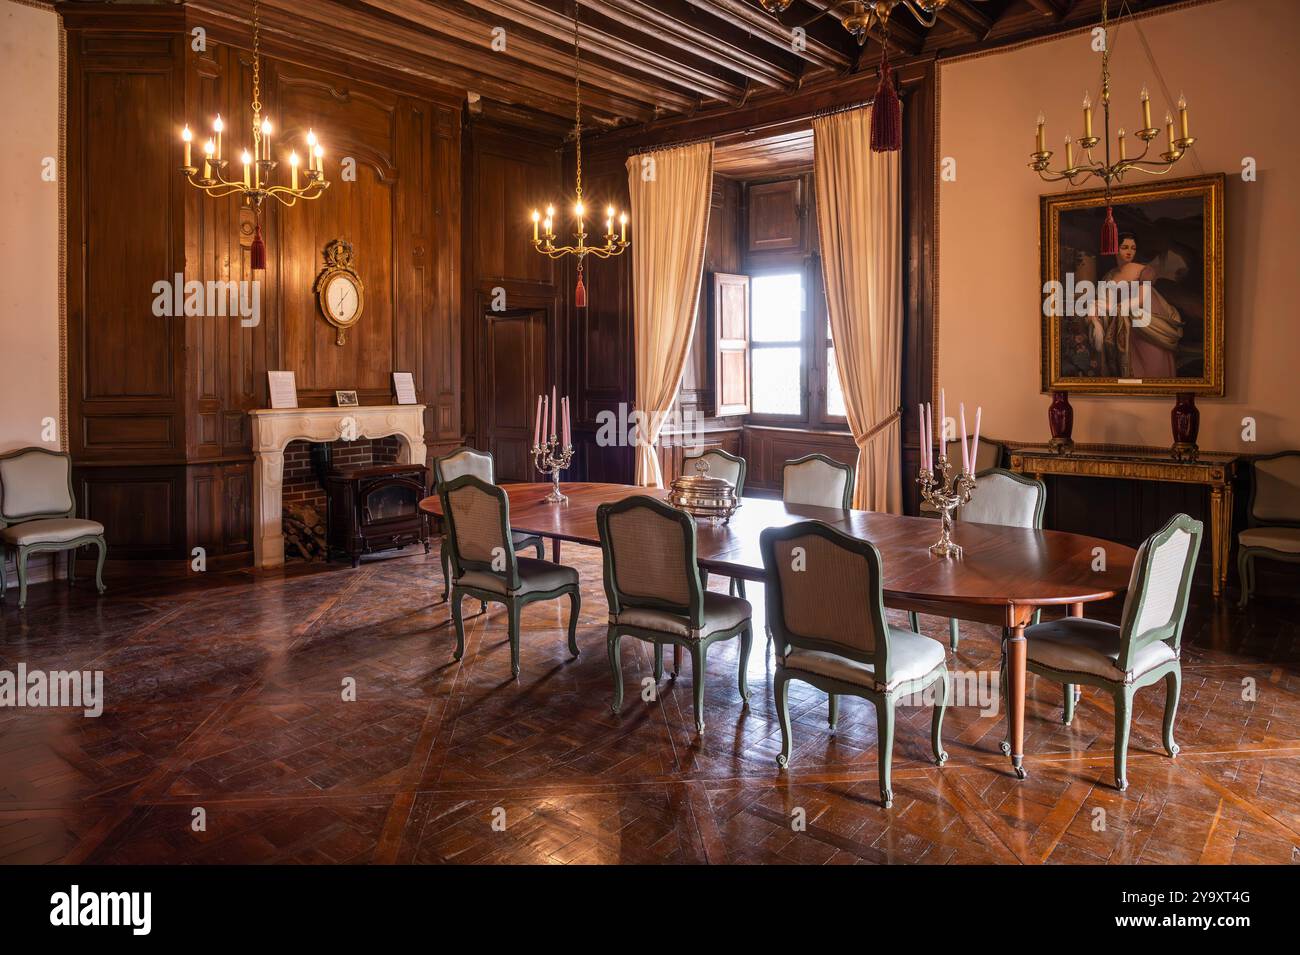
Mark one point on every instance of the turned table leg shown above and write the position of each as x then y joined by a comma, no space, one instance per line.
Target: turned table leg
555,550
1017,654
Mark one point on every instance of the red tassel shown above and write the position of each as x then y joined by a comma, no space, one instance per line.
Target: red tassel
1109,235
257,251
886,115
580,294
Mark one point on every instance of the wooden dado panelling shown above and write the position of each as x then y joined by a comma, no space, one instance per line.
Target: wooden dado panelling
159,406
767,450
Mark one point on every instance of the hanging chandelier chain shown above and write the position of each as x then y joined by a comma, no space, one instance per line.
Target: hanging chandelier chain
257,61
577,98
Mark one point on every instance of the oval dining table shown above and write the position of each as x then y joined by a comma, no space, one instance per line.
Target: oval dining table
1005,574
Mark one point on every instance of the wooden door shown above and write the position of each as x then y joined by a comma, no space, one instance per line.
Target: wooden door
514,373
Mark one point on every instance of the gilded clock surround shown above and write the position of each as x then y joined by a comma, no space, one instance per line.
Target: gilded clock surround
338,262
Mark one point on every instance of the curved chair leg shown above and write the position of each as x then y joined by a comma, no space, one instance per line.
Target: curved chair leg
936,721
514,612
954,633
575,606
1173,687
914,621
99,565
72,566
885,756
698,652
833,712
22,577
736,587
781,691
1243,571
444,558
539,549
1067,715
457,618
746,642
1123,714
659,662
611,647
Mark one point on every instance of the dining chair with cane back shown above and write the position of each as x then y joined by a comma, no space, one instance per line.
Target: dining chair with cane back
1273,517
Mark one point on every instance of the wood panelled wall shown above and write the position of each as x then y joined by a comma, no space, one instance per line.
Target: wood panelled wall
158,406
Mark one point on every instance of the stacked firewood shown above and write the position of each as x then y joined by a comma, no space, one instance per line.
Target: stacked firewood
304,531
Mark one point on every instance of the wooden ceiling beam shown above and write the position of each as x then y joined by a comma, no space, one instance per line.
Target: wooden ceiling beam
764,26
523,53
1056,9
967,18
634,54
665,21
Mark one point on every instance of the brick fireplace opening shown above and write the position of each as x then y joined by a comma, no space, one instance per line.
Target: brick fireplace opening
304,498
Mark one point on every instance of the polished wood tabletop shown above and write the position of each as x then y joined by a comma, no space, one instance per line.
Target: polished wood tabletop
1004,575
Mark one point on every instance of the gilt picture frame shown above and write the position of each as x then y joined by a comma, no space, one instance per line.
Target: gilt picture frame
1170,255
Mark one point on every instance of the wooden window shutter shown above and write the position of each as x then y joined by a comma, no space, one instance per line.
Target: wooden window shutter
730,304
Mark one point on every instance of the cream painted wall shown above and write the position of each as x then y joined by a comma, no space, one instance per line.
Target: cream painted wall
29,241
1236,61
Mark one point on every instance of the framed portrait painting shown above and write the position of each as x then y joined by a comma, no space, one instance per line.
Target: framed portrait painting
1148,320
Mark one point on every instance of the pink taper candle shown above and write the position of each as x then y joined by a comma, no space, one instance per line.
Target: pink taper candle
567,440
943,423
555,410
537,424
927,463
546,404
975,444
920,433
965,454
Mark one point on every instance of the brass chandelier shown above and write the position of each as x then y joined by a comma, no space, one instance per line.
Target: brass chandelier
543,228
255,186
1106,170
859,16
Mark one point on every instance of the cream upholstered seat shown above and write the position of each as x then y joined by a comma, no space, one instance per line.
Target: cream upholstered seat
484,564
52,530
817,480
913,656
654,590
38,515
481,465
1142,650
826,612
1005,498
1078,645
1274,516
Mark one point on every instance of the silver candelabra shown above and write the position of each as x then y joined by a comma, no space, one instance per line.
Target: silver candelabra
550,458
945,495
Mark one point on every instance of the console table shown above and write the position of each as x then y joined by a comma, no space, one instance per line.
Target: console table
1213,469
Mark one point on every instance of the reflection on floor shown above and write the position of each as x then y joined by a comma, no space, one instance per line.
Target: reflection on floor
225,694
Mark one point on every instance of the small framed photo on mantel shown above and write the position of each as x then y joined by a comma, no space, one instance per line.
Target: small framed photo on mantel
404,387
283,389
346,399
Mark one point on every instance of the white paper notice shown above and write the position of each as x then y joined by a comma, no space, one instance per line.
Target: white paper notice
404,386
284,391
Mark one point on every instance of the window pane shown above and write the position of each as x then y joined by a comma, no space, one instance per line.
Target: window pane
777,309
776,380
834,394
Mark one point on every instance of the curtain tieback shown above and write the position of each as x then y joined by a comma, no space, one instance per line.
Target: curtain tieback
877,429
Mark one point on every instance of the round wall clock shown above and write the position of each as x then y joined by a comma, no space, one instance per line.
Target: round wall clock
339,290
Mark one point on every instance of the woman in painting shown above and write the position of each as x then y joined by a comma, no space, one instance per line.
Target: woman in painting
1146,345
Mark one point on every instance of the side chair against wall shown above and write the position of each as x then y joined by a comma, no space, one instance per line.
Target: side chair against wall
817,480
1143,649
653,585
38,515
484,563
1006,498
730,467
480,464
826,609
1273,517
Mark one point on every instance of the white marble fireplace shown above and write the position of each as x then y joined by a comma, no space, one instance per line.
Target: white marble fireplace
274,428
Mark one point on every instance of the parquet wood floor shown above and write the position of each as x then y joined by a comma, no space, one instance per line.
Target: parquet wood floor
225,693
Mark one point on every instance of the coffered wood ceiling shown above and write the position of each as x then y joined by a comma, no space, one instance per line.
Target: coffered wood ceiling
642,59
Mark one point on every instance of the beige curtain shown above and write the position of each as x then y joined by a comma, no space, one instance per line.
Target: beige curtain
670,215
859,221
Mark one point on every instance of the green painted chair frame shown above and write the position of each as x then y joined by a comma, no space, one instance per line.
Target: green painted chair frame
885,701
521,541
1246,556
693,610
23,552
1170,672
848,469
514,602
736,586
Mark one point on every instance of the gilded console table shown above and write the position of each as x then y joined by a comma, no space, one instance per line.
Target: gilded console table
1213,469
